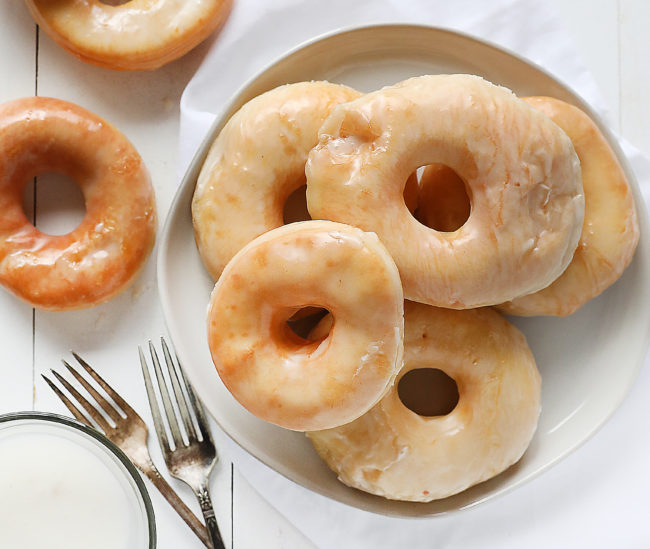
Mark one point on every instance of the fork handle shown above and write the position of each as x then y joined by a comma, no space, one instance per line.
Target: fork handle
149,469
203,495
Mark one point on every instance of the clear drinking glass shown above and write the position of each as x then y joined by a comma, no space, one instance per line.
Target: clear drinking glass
66,483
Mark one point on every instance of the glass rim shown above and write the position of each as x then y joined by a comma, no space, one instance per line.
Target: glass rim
109,445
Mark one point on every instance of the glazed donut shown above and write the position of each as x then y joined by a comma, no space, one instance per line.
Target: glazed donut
295,207
393,452
107,250
521,171
298,383
255,163
610,232
136,35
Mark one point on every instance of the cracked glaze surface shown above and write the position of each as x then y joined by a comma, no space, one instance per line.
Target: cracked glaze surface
393,452
521,170
255,163
308,384
610,231
136,35
106,251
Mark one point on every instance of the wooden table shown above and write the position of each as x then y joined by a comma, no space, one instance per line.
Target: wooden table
612,36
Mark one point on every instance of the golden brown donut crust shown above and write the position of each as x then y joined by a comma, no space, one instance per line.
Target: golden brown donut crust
137,35
106,251
303,384
398,454
521,170
255,163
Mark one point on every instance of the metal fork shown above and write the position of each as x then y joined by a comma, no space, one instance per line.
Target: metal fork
192,458
129,432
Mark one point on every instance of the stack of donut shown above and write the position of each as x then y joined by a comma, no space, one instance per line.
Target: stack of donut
522,206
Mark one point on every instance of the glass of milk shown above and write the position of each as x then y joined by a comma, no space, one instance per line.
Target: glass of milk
64,485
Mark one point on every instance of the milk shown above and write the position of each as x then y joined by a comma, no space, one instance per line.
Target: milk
60,489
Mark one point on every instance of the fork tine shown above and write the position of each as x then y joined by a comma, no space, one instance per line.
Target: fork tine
90,409
166,400
106,406
109,390
130,434
201,420
178,393
68,403
153,404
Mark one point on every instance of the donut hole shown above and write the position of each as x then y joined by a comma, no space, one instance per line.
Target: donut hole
54,203
303,322
295,206
444,202
114,2
428,392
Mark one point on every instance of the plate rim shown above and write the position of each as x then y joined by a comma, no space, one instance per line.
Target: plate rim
191,173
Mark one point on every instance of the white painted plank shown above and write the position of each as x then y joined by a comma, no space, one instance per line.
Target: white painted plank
634,37
145,107
18,42
18,61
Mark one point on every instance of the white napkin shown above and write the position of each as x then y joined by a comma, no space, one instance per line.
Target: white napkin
260,32
597,497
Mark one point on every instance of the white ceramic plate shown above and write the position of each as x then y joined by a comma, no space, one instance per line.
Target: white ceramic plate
588,361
